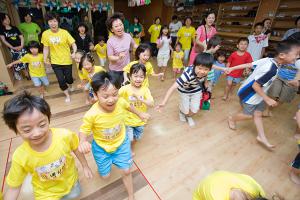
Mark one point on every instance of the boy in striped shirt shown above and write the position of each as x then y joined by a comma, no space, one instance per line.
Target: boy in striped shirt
189,86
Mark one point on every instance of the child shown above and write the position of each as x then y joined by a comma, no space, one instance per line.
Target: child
105,120
137,40
87,65
138,96
101,50
241,56
178,57
77,58
253,91
164,46
142,56
36,67
257,42
220,62
190,85
45,152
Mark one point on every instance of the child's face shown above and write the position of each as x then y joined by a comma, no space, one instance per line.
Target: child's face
34,51
77,57
144,56
53,24
165,31
81,29
201,71
258,30
137,79
242,46
291,56
177,48
221,59
188,22
33,127
88,66
101,43
157,21
108,97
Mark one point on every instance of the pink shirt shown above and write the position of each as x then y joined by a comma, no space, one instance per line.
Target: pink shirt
201,33
115,46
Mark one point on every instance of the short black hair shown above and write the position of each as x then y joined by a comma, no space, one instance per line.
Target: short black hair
214,41
266,19
297,19
286,46
2,17
18,105
101,38
142,48
33,44
174,17
243,39
84,25
188,18
104,79
28,13
135,68
114,17
178,43
220,53
156,18
258,24
88,57
136,17
204,59
52,15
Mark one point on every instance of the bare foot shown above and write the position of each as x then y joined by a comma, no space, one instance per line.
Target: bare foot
297,136
224,98
131,198
231,123
266,144
295,178
267,114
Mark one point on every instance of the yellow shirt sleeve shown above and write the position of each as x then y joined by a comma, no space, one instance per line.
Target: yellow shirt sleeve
17,173
44,39
148,95
25,58
87,125
179,33
150,29
149,68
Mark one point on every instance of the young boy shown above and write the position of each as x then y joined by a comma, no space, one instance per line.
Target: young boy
105,119
241,56
101,50
190,85
45,152
252,93
257,42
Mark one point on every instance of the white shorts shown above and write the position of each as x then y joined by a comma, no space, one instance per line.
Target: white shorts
102,62
190,102
162,60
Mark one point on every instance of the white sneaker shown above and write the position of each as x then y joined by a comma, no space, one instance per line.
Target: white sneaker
182,117
71,88
68,100
190,121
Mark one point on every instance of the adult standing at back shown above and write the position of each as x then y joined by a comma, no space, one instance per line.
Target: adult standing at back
293,30
29,29
174,26
118,45
185,36
136,26
90,28
154,31
57,42
204,33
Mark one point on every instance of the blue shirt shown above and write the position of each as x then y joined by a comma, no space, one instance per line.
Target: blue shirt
289,71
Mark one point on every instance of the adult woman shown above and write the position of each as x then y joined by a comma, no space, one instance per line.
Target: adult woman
204,33
293,30
185,36
83,40
29,29
13,39
136,26
154,31
118,45
57,42
267,27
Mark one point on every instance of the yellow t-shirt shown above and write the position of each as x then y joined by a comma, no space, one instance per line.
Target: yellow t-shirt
80,73
149,71
59,44
154,31
108,128
127,93
101,50
36,64
185,36
89,76
217,186
137,40
177,59
53,171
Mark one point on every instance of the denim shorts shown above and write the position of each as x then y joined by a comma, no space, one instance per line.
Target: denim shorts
38,81
74,193
122,157
234,80
134,132
249,109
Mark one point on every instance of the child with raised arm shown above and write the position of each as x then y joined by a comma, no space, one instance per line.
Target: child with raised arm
253,91
45,152
189,86
105,119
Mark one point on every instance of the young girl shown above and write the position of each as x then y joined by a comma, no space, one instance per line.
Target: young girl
138,96
89,69
220,62
101,49
36,66
77,58
105,120
164,45
178,56
142,56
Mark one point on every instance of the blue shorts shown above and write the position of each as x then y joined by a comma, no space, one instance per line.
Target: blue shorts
134,132
74,193
234,80
122,157
38,81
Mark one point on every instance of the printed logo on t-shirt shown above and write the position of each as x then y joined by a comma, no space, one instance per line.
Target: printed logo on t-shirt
136,102
12,36
36,64
111,133
54,39
187,34
52,171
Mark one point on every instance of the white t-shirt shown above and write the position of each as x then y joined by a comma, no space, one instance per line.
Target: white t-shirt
165,49
256,44
174,28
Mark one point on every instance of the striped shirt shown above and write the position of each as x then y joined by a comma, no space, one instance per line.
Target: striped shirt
189,82
264,73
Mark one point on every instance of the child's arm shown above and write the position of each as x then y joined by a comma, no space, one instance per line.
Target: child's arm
13,63
242,66
74,48
86,169
125,76
84,145
46,54
258,89
167,96
92,47
12,193
147,102
143,116
159,74
218,68
159,43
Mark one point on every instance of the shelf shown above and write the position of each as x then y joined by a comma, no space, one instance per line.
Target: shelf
241,3
228,34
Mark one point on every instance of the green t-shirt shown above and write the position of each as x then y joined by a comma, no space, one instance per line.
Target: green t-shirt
30,31
135,28
126,25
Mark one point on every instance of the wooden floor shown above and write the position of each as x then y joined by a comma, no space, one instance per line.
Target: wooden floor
172,157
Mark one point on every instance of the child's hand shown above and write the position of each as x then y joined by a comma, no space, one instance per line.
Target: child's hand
145,116
84,147
122,55
9,65
271,102
73,55
159,107
228,70
87,172
47,63
294,83
161,74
